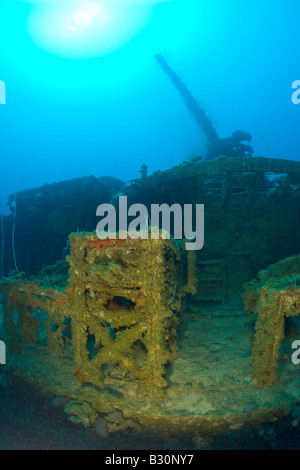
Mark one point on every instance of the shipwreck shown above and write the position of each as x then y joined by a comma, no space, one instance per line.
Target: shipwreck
143,334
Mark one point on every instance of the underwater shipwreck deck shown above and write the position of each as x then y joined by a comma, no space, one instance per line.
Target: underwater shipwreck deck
209,390
146,336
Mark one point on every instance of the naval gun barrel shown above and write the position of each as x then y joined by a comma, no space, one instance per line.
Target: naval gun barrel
193,106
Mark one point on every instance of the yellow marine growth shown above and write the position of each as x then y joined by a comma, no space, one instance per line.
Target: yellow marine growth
117,319
273,298
125,298
20,300
191,286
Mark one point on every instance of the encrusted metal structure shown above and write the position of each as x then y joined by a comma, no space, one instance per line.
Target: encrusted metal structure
125,299
275,297
120,311
34,315
104,334
107,341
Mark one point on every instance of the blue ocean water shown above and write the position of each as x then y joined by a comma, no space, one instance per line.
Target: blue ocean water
84,94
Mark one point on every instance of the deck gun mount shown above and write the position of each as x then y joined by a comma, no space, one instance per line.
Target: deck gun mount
230,146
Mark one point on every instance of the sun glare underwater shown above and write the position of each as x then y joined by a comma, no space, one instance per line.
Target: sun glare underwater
81,29
64,43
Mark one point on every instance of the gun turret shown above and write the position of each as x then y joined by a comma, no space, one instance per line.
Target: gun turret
231,146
